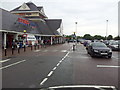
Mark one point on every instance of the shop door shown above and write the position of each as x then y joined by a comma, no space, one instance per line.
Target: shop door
9,40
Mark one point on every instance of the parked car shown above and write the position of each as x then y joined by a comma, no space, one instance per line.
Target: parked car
86,42
106,42
99,49
72,40
115,45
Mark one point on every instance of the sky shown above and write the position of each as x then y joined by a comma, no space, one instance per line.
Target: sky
90,15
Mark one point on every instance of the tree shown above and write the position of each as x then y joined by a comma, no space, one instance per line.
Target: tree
110,37
98,37
87,37
117,38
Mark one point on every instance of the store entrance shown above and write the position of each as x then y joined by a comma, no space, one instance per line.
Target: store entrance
9,40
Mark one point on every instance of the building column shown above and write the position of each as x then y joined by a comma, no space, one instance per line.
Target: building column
5,36
51,40
40,38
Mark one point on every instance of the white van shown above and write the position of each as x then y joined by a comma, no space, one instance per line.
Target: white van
31,39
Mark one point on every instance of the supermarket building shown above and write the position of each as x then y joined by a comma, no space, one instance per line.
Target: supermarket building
29,21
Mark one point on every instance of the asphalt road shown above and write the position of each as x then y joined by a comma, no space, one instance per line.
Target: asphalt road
59,65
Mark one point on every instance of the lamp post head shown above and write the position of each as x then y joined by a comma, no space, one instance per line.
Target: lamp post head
75,22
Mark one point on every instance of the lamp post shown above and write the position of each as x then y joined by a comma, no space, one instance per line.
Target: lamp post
76,26
106,28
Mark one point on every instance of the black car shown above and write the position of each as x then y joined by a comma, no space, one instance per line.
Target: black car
99,49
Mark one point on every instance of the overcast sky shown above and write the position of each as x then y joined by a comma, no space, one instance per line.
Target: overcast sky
91,15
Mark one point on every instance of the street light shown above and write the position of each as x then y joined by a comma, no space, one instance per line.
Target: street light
106,28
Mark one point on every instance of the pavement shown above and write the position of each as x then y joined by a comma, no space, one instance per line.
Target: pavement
59,65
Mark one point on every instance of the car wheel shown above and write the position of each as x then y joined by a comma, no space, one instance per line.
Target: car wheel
109,56
92,55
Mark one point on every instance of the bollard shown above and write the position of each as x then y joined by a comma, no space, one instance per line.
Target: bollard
18,49
35,47
5,52
12,50
73,47
38,46
31,47
24,48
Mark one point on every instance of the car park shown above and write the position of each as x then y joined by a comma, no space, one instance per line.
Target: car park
99,49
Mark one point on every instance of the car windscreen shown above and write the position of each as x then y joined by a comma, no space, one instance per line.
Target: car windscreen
99,45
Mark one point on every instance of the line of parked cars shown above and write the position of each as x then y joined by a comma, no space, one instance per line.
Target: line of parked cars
101,48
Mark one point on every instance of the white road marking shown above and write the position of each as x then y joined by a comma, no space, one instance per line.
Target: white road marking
44,80
54,68
54,50
2,61
50,73
58,64
45,50
37,50
115,57
65,56
60,61
63,50
107,66
89,86
12,64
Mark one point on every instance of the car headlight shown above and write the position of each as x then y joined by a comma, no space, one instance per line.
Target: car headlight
96,51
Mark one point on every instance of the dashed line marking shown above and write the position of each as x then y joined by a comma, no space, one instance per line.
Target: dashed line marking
2,61
50,73
44,80
58,64
12,64
60,61
54,68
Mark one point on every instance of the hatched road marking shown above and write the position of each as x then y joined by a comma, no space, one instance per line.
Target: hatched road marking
2,61
12,64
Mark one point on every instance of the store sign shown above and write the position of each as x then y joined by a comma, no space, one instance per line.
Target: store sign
26,22
33,25
23,21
